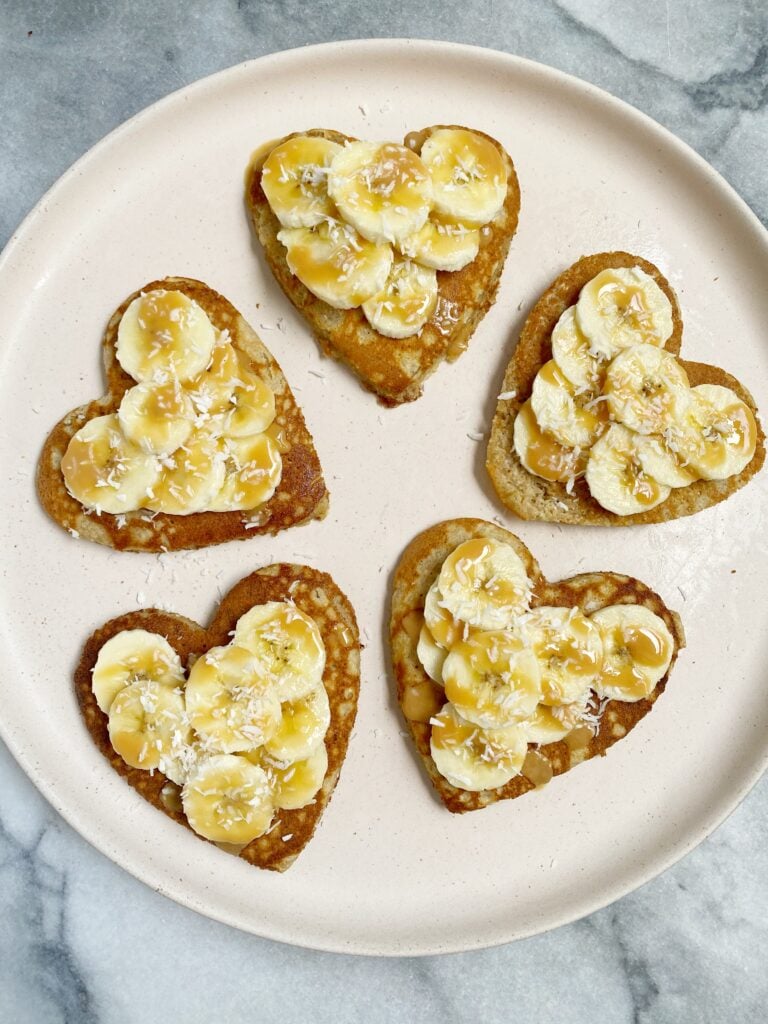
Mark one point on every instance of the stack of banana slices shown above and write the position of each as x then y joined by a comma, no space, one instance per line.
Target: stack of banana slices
369,224
192,435
613,406
515,675
243,736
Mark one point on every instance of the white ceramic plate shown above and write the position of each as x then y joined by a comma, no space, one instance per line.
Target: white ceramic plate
389,870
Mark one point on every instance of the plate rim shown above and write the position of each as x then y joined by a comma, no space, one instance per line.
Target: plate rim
191,91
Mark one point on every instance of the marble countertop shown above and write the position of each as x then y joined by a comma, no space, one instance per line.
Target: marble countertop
80,940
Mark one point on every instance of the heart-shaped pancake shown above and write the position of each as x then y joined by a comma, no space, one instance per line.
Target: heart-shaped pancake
532,496
588,725
300,494
315,595
395,367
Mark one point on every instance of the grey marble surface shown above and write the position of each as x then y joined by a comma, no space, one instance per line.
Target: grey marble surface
81,941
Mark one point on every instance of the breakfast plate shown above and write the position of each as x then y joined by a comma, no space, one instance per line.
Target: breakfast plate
389,871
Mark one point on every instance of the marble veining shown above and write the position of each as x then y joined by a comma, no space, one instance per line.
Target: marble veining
80,940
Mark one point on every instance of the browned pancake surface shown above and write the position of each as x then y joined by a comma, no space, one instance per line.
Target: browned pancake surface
300,497
531,497
416,572
394,369
316,594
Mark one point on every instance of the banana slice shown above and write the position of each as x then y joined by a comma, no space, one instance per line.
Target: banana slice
622,307
638,650
406,301
105,471
431,655
548,724
541,454
574,424
382,190
212,390
468,175
191,478
252,408
473,758
133,656
252,470
295,785
442,244
445,629
574,358
335,263
231,703
156,417
493,680
716,432
287,644
295,180
149,729
484,583
664,458
644,384
164,332
616,477
228,799
302,728
569,649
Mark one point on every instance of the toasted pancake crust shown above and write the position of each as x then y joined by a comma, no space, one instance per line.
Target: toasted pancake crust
531,497
394,370
313,592
300,497
417,570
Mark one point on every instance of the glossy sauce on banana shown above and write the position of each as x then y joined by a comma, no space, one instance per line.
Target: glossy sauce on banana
544,456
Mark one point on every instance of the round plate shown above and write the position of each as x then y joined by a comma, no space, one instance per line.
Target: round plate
389,870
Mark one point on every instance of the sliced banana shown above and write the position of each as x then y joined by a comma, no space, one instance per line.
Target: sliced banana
383,190
493,679
156,417
105,471
296,784
252,470
164,332
637,648
644,384
442,244
336,263
303,725
569,650
548,724
212,390
623,306
574,358
717,433
191,478
287,644
149,729
445,629
468,175
295,180
541,454
663,458
231,703
573,423
484,583
406,301
431,655
473,758
616,477
228,799
134,656
252,408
